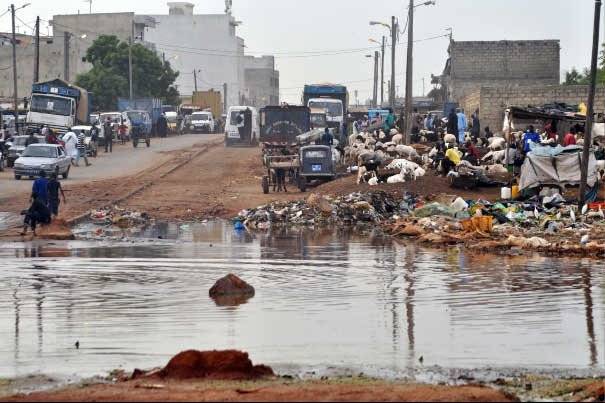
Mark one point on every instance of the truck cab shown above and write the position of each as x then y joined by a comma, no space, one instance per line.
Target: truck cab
334,111
319,118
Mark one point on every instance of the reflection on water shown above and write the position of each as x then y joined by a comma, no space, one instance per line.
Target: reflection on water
322,298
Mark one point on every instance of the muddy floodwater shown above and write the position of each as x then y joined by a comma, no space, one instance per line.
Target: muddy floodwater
324,299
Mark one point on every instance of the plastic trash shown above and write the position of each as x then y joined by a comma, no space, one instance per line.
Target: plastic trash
459,205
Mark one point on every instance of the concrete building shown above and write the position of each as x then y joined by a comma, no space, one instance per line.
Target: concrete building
206,44
472,65
261,81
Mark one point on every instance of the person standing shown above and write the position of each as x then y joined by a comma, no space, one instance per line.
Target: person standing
462,125
94,138
40,188
162,125
530,136
82,149
452,123
327,139
54,187
108,134
476,129
71,145
36,213
31,139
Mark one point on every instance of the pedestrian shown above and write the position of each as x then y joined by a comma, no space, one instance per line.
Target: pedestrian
71,145
570,138
82,149
37,212
40,187
451,160
54,187
462,125
327,139
476,129
122,129
452,123
389,122
51,137
162,125
530,136
94,138
108,134
472,154
31,139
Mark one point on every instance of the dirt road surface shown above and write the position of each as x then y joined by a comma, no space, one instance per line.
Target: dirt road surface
276,390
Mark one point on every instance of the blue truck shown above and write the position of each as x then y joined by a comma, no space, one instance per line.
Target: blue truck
333,98
153,107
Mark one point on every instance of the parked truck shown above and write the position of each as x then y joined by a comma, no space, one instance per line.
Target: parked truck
282,124
209,100
58,105
333,98
153,106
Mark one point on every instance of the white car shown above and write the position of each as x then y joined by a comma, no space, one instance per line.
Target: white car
201,122
50,158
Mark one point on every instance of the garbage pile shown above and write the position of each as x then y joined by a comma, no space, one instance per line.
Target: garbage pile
355,209
119,217
544,223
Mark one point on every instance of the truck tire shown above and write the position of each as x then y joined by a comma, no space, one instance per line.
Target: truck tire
18,177
65,174
265,184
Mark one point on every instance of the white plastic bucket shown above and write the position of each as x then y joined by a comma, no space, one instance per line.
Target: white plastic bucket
506,193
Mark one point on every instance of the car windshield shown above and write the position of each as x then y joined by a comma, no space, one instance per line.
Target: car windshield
200,116
333,109
318,119
114,117
52,105
19,141
40,152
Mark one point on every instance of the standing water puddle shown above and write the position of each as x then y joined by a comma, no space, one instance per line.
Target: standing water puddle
323,298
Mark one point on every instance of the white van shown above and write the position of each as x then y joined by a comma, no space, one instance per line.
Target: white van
235,121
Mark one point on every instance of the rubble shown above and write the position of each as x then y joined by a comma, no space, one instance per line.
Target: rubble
119,217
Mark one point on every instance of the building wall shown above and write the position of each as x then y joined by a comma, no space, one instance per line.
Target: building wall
261,81
522,63
201,42
494,100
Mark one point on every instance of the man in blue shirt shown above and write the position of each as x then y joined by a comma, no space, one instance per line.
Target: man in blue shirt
462,125
530,135
40,188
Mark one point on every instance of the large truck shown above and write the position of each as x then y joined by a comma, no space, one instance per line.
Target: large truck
282,124
209,100
333,98
153,106
58,105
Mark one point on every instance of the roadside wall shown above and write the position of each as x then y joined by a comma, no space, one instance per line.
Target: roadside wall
492,101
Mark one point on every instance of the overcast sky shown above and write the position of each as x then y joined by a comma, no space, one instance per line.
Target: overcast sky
288,28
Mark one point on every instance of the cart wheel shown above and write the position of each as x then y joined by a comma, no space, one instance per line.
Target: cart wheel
302,184
265,184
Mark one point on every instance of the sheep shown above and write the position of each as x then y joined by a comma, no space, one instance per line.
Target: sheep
497,157
496,143
449,139
361,174
406,151
399,178
402,164
373,180
397,139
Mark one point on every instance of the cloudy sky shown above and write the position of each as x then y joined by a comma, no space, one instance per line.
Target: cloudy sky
339,30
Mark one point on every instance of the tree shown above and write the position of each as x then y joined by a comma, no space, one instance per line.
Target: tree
108,78
574,77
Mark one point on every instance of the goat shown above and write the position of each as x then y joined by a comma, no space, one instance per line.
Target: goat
496,157
496,143
397,139
406,151
449,139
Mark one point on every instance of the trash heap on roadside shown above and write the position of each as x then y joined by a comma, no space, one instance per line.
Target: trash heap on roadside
545,223
118,217
355,209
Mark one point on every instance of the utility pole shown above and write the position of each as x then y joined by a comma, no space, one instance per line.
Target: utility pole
375,92
382,73
15,101
66,36
195,79
37,52
423,92
409,74
226,105
590,107
130,41
394,29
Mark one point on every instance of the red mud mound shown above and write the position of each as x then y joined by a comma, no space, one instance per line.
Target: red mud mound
231,285
57,230
216,365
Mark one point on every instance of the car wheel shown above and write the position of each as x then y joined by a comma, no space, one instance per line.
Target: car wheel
57,171
302,184
18,177
65,174
10,163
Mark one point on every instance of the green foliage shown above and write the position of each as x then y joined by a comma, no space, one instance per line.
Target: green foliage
108,78
574,77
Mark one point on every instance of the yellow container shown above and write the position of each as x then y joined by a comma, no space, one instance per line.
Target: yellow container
515,191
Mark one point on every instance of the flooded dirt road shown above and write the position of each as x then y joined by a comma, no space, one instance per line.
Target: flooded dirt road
324,300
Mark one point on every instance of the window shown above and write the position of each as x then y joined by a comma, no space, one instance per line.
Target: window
315,154
40,152
52,105
333,109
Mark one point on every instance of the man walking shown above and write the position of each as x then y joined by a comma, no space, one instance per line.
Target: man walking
82,149
37,213
54,187
462,125
108,133
476,129
40,188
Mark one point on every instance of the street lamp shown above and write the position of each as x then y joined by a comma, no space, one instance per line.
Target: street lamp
381,67
426,3
393,28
